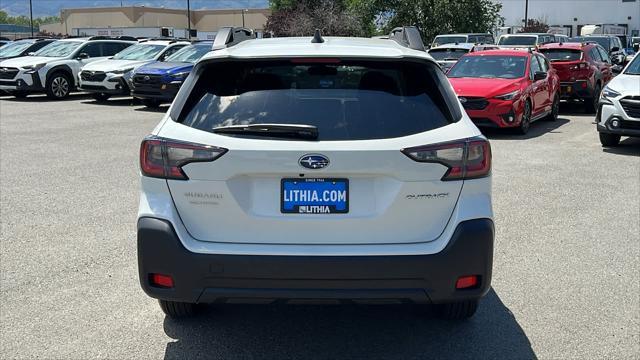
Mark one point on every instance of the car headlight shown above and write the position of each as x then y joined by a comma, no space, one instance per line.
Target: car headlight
509,96
33,68
180,76
608,92
121,71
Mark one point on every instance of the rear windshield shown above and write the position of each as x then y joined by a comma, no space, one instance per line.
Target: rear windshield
557,55
447,54
481,39
441,40
489,66
518,40
345,100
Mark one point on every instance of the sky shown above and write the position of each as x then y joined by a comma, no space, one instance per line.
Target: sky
52,7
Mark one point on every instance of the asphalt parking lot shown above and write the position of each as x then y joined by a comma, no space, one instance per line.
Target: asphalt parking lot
566,267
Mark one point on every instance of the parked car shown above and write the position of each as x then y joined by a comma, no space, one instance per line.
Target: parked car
270,138
23,47
611,43
525,40
583,68
506,88
159,82
619,107
3,43
106,78
481,38
54,68
447,55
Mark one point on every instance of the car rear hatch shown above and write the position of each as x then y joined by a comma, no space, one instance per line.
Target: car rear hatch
346,182
567,63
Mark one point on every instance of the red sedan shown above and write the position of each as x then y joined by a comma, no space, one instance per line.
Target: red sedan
506,88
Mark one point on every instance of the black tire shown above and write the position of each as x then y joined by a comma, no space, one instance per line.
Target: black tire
457,310
609,139
20,94
525,123
591,104
59,85
176,309
555,109
101,96
151,103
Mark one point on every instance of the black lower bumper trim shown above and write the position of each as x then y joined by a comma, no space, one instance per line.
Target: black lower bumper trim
208,278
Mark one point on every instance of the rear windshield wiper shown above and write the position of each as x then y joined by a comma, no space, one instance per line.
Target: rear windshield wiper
299,131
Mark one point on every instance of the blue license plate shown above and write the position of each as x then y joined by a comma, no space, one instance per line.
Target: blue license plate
314,196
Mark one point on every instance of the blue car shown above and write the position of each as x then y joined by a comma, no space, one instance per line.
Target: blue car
159,82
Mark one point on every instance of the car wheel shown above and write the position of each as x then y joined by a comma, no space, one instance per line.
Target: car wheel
555,109
176,309
151,103
525,123
609,139
457,310
101,96
58,86
591,104
20,94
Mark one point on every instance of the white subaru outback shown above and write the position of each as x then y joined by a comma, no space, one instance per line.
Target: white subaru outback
54,68
332,169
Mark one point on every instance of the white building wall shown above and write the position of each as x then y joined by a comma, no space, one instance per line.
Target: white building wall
574,12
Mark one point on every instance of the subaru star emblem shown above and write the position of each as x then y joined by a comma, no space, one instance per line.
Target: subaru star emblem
463,99
146,78
314,161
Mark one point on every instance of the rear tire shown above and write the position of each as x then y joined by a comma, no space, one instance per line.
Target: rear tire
101,96
176,309
457,310
591,104
58,86
555,109
609,139
151,103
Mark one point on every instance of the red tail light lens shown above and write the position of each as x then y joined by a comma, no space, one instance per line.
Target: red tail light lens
467,282
466,159
163,158
161,280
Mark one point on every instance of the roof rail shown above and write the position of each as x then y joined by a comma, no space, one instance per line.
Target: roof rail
122,37
407,36
229,36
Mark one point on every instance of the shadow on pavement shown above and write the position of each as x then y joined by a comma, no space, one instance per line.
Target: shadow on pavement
628,146
125,101
538,128
43,97
159,109
574,108
346,331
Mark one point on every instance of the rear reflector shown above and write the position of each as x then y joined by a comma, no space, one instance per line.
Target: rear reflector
466,282
163,158
466,159
161,280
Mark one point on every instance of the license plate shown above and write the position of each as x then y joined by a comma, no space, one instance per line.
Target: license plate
314,196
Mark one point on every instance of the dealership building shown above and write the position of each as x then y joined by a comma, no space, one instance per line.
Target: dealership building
571,15
98,21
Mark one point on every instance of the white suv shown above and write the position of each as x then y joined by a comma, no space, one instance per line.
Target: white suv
107,77
619,109
54,68
317,169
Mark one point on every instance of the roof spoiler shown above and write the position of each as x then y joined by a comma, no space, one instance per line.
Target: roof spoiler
407,36
229,36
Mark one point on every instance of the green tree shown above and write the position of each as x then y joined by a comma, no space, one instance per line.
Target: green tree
302,17
25,21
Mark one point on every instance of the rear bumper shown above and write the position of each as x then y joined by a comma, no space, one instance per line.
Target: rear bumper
204,278
579,89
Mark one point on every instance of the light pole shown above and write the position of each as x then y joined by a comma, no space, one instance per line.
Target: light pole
31,17
526,13
188,19
244,11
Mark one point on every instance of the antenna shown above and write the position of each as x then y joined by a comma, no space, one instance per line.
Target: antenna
317,37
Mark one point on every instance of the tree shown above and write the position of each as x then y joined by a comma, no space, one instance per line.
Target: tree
25,21
535,26
432,17
302,17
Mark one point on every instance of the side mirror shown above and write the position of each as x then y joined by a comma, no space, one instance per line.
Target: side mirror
539,75
82,56
616,69
614,49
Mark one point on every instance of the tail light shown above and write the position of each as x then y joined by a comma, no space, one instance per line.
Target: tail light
466,159
579,66
164,158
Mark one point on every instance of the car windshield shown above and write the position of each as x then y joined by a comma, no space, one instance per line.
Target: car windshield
59,49
481,39
14,48
556,55
634,67
602,41
441,40
140,52
489,66
344,100
518,40
447,54
189,54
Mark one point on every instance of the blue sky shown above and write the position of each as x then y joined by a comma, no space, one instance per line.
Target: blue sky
52,7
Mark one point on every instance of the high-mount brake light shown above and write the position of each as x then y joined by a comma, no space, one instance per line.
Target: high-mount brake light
164,158
466,159
315,60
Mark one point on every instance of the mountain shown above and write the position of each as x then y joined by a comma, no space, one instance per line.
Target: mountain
52,7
